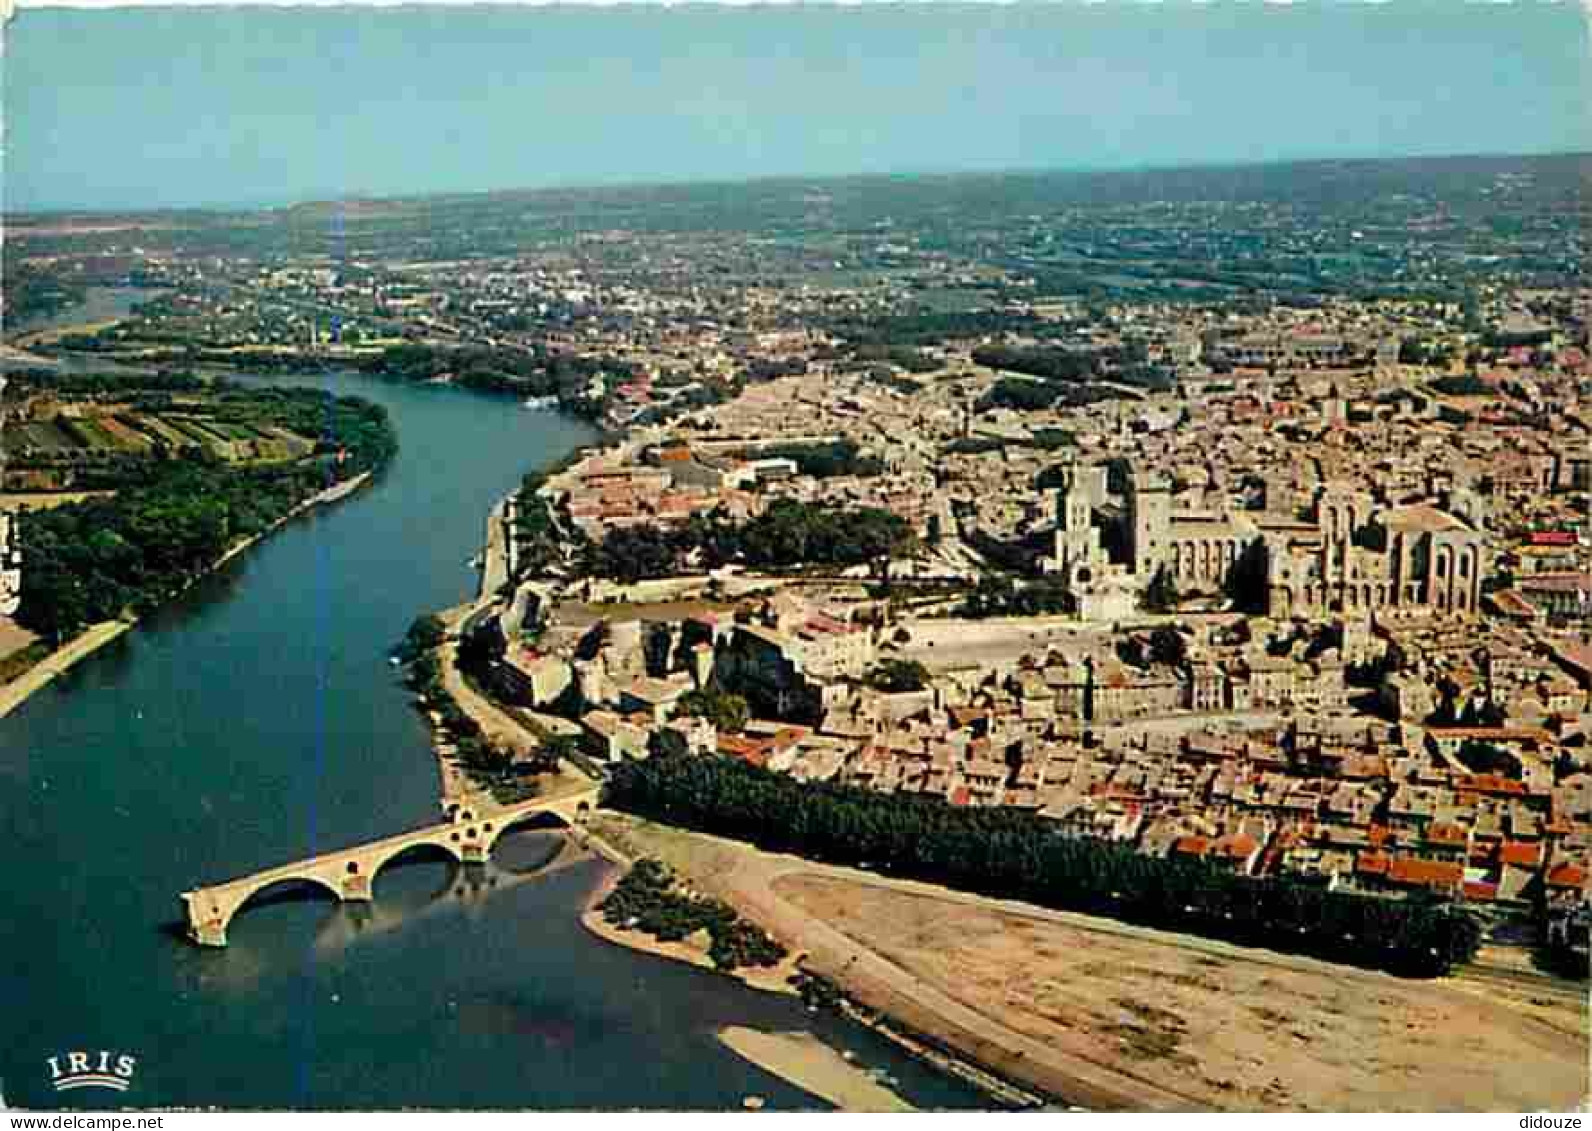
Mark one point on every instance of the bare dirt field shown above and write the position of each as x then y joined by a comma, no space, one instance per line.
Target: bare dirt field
1232,1033
1111,1016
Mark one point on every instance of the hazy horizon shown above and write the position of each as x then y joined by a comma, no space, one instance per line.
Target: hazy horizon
263,107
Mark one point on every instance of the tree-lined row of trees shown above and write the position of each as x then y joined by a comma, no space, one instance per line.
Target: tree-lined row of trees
1012,853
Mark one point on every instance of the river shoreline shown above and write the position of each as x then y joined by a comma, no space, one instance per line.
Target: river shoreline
97,636
818,1070
790,1060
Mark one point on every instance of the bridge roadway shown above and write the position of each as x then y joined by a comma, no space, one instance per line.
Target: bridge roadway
468,836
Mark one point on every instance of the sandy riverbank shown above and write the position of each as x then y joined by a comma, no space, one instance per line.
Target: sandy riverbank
798,1057
773,979
1111,1016
15,693
810,1064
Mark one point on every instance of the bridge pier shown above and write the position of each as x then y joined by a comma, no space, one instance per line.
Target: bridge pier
209,933
206,930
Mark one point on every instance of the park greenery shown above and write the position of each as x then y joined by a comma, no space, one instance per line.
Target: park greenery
1462,385
726,710
1000,595
894,676
826,460
788,534
1017,854
647,899
171,519
538,544
1160,595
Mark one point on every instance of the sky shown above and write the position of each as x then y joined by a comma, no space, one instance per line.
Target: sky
142,108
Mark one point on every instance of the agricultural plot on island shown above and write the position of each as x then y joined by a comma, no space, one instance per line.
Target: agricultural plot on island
67,439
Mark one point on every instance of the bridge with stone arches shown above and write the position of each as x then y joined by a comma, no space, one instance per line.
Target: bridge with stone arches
350,873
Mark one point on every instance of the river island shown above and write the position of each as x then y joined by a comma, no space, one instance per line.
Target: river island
133,484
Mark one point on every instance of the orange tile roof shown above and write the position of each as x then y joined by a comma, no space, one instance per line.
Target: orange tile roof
1567,875
1519,854
1235,847
1429,873
1371,863
746,749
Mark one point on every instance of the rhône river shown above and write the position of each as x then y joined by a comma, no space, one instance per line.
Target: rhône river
257,720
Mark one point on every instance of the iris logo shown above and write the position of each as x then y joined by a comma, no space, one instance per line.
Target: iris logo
102,1069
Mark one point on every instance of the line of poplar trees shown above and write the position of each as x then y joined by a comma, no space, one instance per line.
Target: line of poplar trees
1012,853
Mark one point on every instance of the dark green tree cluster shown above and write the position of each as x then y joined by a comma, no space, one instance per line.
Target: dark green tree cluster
904,357
975,445
826,461
645,899
1414,351
1050,439
537,371
425,633
1488,758
792,533
537,542
895,676
1046,362
633,553
727,711
1161,594
1462,385
118,386
998,595
1515,339
786,535
1022,395
1017,854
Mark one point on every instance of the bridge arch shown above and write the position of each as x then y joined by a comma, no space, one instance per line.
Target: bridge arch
217,914
287,883
373,867
348,875
493,830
